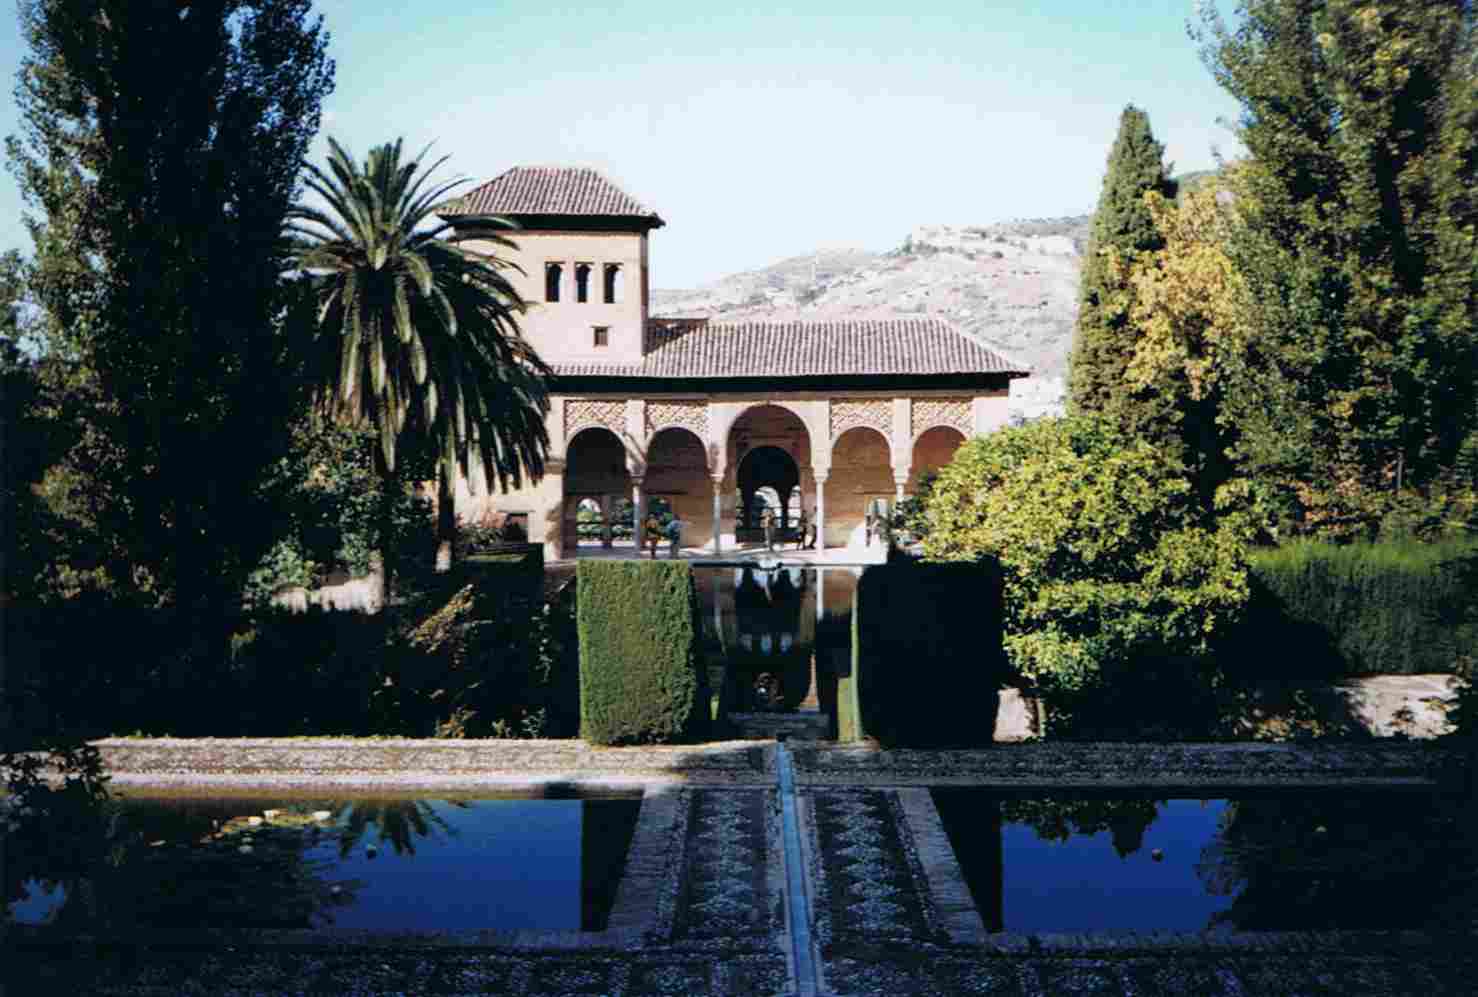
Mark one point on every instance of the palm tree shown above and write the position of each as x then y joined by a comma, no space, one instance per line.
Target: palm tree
416,334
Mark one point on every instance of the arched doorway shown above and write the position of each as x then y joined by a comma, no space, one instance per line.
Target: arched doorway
861,480
932,450
768,479
677,477
596,479
769,461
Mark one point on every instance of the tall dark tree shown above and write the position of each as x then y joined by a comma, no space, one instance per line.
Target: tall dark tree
418,333
165,139
1360,248
1122,226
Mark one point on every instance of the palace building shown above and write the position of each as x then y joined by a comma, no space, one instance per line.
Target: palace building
716,419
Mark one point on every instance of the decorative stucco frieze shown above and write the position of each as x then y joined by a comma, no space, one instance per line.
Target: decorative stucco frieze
849,413
691,415
953,412
582,413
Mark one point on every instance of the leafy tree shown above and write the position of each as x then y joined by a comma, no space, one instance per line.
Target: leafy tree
1122,228
158,203
417,334
1357,246
1109,558
1185,303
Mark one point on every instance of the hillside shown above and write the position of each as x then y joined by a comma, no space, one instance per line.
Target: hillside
1012,285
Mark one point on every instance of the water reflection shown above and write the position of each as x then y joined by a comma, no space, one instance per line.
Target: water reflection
1284,863
774,637
222,866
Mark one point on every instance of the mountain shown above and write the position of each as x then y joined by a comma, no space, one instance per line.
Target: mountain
1013,285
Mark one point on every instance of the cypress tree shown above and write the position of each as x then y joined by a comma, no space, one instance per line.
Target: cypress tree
1103,342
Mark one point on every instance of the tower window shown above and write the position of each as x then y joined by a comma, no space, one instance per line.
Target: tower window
602,335
553,277
582,282
612,283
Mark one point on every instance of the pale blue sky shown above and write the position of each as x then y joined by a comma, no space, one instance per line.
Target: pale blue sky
759,135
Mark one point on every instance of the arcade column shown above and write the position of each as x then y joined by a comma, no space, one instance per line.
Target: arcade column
820,475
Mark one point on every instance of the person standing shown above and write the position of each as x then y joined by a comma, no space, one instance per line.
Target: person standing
652,533
802,532
767,521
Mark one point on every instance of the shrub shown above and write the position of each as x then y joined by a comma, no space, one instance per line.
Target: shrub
927,657
1395,606
641,678
1108,558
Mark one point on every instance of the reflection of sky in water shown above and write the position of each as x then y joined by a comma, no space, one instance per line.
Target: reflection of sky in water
510,864
40,905
1083,885
501,864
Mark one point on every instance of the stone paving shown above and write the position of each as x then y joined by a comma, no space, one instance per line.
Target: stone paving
703,908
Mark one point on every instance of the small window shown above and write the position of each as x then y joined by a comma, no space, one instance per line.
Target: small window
582,282
602,335
553,277
612,283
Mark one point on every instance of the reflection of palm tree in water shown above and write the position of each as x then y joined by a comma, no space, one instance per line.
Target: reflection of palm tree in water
399,822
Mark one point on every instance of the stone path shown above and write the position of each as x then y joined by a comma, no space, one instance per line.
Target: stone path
706,908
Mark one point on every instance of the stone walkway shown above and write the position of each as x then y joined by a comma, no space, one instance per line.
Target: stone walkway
703,908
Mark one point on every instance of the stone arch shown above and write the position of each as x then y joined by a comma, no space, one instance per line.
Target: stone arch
677,473
725,430
783,430
861,475
766,469
933,448
595,469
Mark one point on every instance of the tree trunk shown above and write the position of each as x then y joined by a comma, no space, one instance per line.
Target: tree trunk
385,526
446,521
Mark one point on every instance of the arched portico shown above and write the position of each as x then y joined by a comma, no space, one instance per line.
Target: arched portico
595,471
678,473
766,446
932,449
861,477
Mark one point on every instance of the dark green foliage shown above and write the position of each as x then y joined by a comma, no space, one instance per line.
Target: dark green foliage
1360,234
1104,341
159,200
927,655
480,654
1362,609
641,678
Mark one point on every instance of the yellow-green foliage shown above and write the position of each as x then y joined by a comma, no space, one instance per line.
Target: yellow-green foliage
1108,557
640,674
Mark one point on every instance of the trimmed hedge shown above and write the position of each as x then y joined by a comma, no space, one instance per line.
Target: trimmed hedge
1328,611
927,655
641,676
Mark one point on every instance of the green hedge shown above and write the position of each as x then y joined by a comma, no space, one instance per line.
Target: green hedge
927,655
641,677
1328,611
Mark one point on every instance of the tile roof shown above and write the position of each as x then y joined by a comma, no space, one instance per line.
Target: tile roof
549,190
690,348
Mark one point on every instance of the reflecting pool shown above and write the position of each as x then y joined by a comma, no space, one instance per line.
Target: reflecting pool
1252,863
366,863
773,638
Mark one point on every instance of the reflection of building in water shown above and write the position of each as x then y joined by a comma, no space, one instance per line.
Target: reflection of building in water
770,663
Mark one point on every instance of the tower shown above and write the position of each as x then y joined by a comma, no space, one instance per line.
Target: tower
582,253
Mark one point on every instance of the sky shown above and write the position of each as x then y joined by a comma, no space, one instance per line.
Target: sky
760,134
